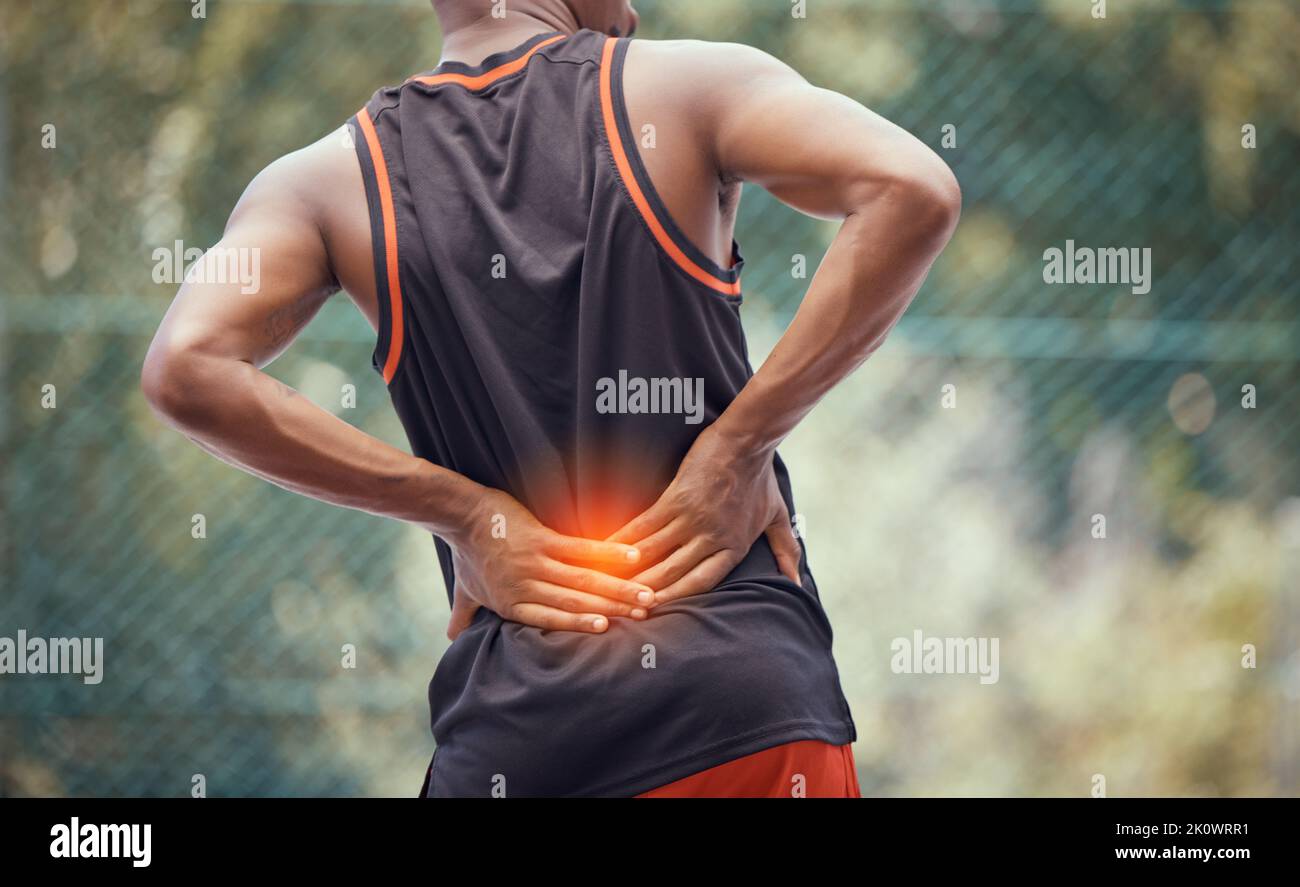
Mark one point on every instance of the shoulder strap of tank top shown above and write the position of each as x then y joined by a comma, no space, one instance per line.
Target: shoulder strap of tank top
381,181
622,145
383,237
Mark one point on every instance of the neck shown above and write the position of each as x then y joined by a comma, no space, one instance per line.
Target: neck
469,37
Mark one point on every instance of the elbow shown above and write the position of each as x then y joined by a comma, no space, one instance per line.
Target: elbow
169,381
915,199
930,197
160,380
943,197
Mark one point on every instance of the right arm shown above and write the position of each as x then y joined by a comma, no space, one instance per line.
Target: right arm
203,375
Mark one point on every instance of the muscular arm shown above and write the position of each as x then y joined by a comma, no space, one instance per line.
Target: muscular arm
203,373
753,119
827,156
306,218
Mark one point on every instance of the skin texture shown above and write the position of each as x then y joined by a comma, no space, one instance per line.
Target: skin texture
726,114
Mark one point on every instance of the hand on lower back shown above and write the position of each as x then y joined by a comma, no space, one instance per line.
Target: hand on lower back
506,561
718,504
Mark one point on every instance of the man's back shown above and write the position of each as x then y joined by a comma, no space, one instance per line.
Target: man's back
546,329
542,240
536,296
671,89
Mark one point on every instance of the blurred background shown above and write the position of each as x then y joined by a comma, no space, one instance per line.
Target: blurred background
1120,656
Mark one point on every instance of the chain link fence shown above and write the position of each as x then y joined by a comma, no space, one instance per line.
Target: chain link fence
952,486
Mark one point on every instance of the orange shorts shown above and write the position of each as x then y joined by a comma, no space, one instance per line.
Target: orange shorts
807,768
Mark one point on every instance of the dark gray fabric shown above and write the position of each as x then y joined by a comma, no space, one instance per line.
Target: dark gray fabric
498,381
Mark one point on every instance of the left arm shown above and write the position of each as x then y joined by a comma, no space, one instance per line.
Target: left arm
898,204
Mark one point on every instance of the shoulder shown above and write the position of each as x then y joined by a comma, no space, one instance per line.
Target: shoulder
303,182
311,204
704,81
304,176
701,64
705,86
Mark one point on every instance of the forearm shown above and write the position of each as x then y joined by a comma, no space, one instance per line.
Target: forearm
254,422
873,269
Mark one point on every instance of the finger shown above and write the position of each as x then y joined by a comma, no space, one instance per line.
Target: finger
676,565
589,551
663,542
705,577
462,613
785,546
649,521
595,583
571,601
551,619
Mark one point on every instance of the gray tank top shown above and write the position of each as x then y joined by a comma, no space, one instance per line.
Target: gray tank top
547,330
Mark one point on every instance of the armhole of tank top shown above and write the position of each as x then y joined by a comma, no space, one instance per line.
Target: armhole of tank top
383,239
668,237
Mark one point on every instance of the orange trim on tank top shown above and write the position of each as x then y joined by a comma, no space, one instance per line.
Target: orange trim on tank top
477,82
629,179
394,351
